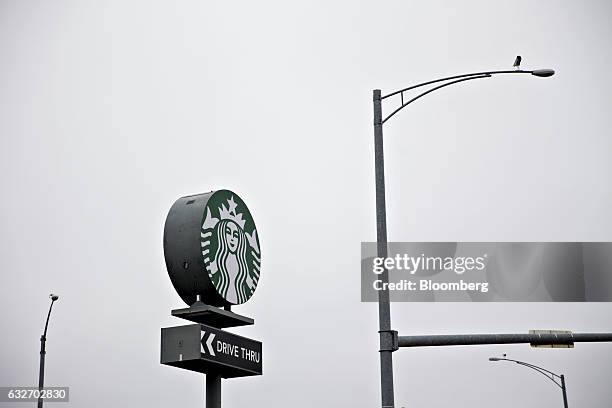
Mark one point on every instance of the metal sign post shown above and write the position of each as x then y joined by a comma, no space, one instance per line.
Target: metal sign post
213,259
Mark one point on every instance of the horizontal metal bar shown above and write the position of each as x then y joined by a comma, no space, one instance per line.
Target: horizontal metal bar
475,339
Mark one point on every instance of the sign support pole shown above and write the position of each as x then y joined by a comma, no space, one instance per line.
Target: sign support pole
213,391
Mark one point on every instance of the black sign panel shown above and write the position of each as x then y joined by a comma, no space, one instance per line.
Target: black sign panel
229,349
205,349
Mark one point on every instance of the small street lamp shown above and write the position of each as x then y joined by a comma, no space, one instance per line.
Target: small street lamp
548,374
43,339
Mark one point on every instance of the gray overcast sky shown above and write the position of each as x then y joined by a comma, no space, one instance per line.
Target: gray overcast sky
111,110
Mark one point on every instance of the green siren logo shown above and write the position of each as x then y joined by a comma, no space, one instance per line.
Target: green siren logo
230,247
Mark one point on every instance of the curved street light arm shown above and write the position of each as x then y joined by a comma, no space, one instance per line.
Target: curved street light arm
433,89
551,376
47,322
547,373
518,71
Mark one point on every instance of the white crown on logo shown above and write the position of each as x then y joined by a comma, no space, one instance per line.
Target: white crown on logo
229,213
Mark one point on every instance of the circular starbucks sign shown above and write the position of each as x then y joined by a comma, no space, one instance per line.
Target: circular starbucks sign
230,247
212,248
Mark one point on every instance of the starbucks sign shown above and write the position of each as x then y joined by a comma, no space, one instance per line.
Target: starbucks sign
230,247
212,249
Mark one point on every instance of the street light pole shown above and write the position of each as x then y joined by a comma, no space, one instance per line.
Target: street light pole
43,352
384,309
564,390
387,337
547,373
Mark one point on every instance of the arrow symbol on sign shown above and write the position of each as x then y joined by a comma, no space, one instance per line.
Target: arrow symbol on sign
208,343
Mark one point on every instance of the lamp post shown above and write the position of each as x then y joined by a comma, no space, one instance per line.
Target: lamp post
43,339
548,374
388,337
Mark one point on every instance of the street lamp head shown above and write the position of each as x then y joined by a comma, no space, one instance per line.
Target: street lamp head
53,297
543,72
494,359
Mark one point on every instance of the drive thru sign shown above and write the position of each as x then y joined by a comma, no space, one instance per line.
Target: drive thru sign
205,349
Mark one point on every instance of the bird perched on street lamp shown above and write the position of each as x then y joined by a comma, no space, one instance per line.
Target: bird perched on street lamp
517,62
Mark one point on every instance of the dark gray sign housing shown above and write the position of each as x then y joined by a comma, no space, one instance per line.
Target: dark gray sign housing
212,249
